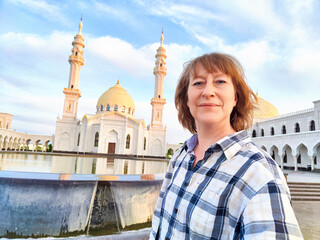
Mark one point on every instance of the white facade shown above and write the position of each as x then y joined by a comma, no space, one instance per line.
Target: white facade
293,140
113,129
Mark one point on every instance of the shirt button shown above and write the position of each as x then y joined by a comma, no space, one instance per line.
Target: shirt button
175,210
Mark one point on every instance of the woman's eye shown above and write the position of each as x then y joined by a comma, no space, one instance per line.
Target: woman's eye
221,81
197,83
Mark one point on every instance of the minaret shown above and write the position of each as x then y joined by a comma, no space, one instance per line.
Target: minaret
72,92
159,72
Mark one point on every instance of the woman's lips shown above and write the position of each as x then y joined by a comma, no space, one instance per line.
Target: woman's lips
208,105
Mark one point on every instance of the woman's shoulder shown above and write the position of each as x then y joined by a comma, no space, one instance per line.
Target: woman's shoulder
260,167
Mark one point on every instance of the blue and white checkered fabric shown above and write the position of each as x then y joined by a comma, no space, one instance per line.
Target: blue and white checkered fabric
236,191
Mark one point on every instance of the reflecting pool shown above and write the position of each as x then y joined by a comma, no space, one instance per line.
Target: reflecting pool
45,195
78,165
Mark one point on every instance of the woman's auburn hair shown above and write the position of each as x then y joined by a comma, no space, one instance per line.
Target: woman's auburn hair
242,114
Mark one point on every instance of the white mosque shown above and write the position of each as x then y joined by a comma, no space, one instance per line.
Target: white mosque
113,128
293,139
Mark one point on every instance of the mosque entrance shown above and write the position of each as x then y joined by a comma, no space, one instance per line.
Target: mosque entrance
111,147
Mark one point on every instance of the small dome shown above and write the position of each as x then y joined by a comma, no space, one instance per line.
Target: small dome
265,109
116,98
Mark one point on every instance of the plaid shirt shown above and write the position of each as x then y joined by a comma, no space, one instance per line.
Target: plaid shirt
237,191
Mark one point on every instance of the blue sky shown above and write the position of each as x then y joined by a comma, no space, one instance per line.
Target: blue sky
277,42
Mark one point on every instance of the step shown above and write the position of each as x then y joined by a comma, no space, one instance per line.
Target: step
305,199
304,190
304,183
304,186
306,194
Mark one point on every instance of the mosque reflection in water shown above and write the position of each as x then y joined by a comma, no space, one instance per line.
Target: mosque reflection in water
78,165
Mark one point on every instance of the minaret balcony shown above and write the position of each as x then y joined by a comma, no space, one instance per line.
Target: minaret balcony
159,69
76,59
72,91
160,101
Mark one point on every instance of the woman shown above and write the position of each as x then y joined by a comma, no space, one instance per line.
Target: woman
220,185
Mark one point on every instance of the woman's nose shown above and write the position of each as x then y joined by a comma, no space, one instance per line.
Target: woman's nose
208,90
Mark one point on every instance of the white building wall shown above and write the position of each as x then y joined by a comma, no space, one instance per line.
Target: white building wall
292,145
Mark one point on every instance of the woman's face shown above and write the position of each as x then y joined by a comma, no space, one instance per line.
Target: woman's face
211,98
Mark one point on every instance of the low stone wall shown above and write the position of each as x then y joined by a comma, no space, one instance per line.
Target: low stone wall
57,205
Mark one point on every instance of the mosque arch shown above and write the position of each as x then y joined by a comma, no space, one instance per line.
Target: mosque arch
264,148
297,128
144,143
156,147
312,125
283,129
28,143
128,141
37,147
10,143
274,152
96,139
111,142
262,133
48,145
303,159
101,107
64,141
254,133
317,155
272,131
115,108
108,107
288,160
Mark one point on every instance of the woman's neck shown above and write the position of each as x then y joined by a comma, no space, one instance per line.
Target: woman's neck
208,136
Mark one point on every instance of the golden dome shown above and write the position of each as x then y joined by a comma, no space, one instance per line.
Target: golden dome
265,109
117,98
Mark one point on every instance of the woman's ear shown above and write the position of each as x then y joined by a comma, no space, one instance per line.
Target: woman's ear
235,99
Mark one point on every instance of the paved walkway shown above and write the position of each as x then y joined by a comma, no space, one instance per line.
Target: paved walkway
307,213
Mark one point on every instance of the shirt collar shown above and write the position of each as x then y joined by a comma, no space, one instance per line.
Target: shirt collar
230,144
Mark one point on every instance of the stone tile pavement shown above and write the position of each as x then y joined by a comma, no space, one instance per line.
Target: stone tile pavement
308,215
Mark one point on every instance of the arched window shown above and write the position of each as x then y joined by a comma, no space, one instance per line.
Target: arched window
254,133
128,142
272,131
315,160
101,107
297,128
96,139
312,126
144,143
0,124
129,110
262,133
285,157
78,142
299,159
284,130
273,155
7,127
116,108
108,107
123,109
